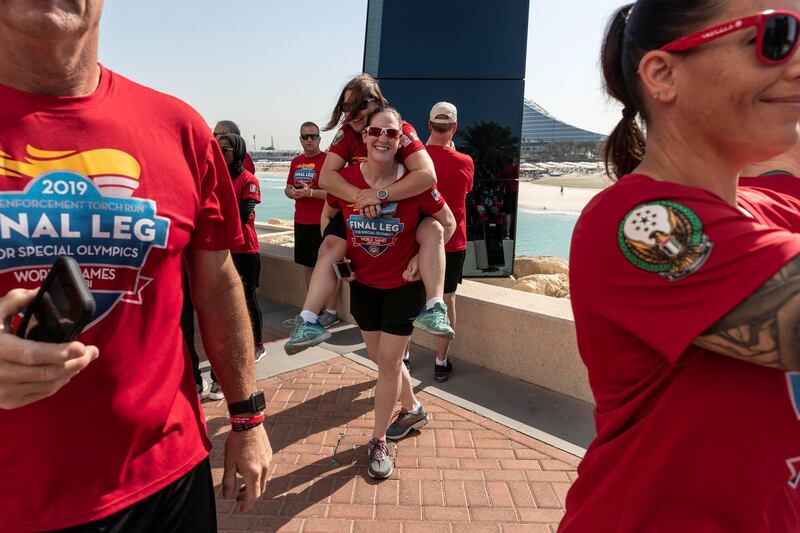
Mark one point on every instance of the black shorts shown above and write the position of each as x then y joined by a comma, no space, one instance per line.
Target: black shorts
454,265
336,227
388,310
307,238
186,505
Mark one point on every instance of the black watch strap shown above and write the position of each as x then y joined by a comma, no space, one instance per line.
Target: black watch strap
257,402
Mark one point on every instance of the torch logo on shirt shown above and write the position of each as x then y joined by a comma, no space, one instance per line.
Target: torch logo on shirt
374,235
305,174
664,237
79,204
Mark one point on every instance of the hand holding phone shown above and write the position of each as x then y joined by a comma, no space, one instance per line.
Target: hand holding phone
343,270
28,384
62,307
388,209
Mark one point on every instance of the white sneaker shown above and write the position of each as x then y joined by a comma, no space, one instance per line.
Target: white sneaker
216,392
260,353
328,320
202,390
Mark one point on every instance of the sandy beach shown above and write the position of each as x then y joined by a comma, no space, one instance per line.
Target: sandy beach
545,194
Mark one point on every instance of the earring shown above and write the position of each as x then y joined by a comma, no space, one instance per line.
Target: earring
656,95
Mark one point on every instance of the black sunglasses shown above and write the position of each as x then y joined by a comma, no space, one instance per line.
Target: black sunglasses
307,136
348,107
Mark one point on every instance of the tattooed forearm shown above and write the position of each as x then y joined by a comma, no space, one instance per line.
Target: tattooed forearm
765,328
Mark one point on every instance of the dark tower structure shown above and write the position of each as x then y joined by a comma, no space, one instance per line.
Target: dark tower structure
470,53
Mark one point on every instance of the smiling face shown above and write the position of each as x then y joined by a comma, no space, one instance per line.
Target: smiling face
382,148
358,120
731,101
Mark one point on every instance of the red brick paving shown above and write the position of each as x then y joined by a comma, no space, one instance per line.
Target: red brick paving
462,473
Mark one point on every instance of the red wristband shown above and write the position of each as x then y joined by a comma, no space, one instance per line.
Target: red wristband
239,420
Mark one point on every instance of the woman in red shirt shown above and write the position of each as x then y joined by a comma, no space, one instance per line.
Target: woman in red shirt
685,278
383,302
358,99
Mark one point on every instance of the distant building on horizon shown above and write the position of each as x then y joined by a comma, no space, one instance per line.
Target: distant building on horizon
540,127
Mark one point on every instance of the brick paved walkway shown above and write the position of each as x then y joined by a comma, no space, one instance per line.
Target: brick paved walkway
462,473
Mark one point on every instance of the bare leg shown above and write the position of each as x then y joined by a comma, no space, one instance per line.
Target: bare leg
444,342
390,352
372,340
308,272
334,298
407,398
430,237
323,279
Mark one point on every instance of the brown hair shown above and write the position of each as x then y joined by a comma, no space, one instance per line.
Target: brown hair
362,86
387,109
441,127
630,34
309,124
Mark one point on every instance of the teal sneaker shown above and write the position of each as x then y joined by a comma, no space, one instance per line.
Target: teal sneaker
434,321
304,335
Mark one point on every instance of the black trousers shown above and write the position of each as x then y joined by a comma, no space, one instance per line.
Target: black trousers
249,268
185,505
187,327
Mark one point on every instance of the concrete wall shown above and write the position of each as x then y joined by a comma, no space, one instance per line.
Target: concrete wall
523,335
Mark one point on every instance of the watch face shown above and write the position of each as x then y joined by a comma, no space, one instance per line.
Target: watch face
383,194
259,402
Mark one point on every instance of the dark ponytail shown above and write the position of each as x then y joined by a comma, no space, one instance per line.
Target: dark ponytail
634,30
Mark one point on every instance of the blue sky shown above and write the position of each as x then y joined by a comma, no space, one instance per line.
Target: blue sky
272,64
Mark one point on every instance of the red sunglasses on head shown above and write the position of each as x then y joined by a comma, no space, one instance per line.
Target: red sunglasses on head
775,44
375,131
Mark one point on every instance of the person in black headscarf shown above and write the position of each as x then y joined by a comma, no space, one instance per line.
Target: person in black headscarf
245,257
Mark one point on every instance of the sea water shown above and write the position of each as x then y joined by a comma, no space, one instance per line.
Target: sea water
539,232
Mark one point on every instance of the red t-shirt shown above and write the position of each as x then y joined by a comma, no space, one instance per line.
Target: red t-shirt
454,174
350,146
306,170
380,248
248,164
246,187
687,439
123,180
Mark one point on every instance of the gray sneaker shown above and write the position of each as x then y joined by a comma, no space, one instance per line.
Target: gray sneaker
215,393
381,465
328,320
405,422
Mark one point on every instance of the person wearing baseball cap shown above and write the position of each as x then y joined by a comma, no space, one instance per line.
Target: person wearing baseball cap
454,171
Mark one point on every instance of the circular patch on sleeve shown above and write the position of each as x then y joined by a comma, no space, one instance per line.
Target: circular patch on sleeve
664,237
338,137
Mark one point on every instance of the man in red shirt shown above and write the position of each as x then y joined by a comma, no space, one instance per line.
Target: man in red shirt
302,186
454,172
229,126
129,182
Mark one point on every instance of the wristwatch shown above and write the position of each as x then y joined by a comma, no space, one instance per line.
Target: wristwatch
382,194
254,404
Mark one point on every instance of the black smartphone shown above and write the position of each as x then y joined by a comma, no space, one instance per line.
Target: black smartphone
62,307
296,186
342,269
